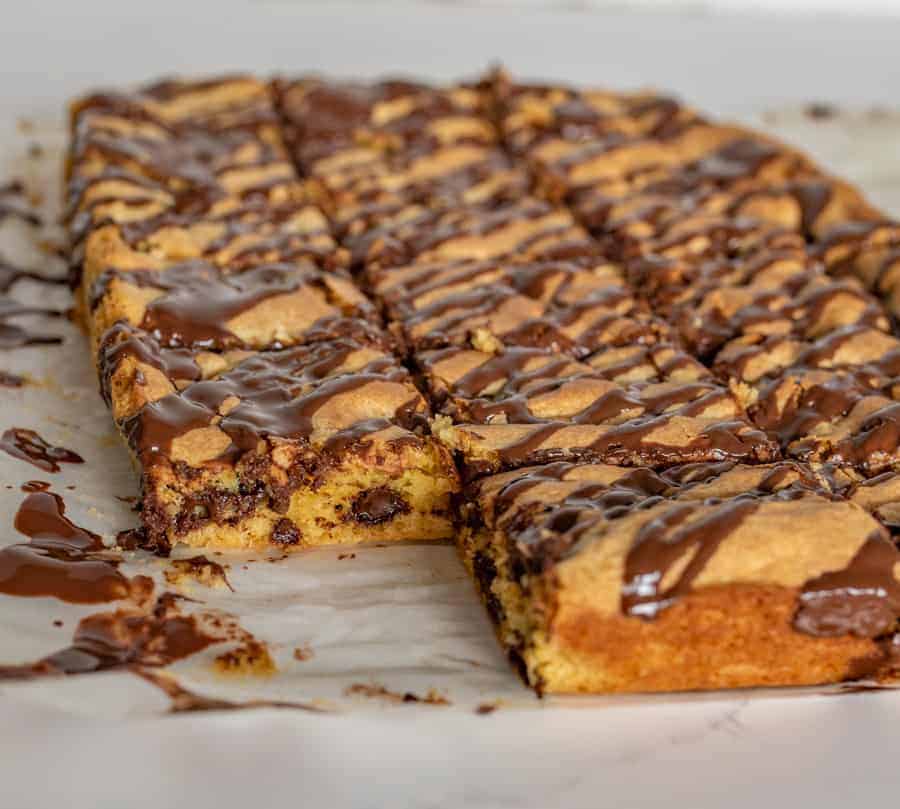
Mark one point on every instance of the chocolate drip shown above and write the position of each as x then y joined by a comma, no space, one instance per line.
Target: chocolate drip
121,639
664,541
201,568
10,380
10,275
185,701
863,599
27,445
9,209
13,336
62,560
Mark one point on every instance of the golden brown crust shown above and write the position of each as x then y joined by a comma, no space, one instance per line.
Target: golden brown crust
603,579
735,636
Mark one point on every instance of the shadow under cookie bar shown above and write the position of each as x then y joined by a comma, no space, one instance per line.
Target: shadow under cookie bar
316,444
602,579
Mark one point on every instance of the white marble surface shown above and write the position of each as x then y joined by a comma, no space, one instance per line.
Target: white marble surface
103,742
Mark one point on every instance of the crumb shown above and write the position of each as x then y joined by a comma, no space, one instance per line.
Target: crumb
25,126
252,658
346,556
376,691
197,569
486,708
303,652
57,622
35,150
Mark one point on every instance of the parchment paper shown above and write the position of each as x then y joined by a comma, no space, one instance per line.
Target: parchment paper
404,619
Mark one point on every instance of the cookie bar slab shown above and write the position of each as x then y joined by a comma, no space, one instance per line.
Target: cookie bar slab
602,579
315,444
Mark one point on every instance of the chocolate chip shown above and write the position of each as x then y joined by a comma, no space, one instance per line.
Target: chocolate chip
378,505
285,533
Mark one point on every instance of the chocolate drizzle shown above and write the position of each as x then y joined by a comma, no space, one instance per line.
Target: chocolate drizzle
275,394
184,700
9,192
62,560
121,639
664,541
198,302
27,445
11,380
10,275
863,599
15,336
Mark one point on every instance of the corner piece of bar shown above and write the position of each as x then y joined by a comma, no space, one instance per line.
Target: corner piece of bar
308,445
603,579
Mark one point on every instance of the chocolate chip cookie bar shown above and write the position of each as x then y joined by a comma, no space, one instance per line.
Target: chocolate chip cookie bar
318,443
604,579
658,350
